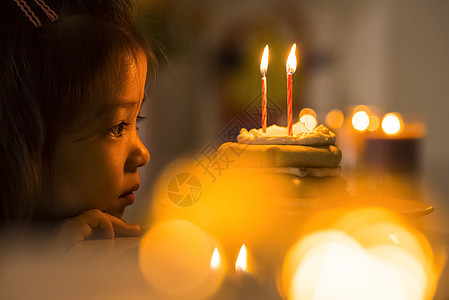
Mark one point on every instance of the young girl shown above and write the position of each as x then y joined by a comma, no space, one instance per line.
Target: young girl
72,81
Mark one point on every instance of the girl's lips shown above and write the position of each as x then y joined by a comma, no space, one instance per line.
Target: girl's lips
128,198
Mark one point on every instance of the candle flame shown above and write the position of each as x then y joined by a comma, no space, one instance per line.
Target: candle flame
291,60
215,260
264,61
392,123
241,263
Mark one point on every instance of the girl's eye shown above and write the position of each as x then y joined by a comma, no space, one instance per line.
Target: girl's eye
117,130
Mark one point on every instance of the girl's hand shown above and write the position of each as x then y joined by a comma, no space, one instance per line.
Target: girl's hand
95,223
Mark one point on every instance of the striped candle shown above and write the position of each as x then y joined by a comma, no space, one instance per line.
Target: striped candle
291,68
263,71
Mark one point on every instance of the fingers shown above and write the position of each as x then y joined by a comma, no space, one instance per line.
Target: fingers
81,232
98,221
97,224
123,229
89,223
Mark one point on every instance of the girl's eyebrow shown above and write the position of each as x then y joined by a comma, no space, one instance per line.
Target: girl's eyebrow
130,104
127,104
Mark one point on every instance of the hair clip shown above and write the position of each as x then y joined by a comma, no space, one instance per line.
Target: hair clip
30,14
47,10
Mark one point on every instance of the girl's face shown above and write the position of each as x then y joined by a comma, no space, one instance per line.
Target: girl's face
101,171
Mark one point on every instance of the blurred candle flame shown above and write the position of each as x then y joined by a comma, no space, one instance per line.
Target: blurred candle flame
360,253
392,124
374,123
291,60
335,118
241,263
215,260
164,265
360,120
264,61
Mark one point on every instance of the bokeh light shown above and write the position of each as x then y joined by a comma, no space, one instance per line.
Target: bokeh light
335,118
360,120
176,257
392,124
231,206
359,253
374,123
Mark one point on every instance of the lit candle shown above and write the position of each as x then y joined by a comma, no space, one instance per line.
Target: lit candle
263,71
394,148
392,157
247,285
360,122
217,274
291,68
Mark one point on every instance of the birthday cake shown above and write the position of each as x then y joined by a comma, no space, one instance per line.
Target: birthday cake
303,170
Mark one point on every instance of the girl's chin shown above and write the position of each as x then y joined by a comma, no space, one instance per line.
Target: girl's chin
118,212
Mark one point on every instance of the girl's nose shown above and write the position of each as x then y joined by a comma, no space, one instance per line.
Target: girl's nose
139,156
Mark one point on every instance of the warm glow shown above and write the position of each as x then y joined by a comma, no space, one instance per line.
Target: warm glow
241,263
374,123
164,264
392,123
361,107
291,61
335,118
226,205
215,260
348,271
365,253
264,61
360,120
307,111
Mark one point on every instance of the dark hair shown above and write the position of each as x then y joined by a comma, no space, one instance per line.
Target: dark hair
50,78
